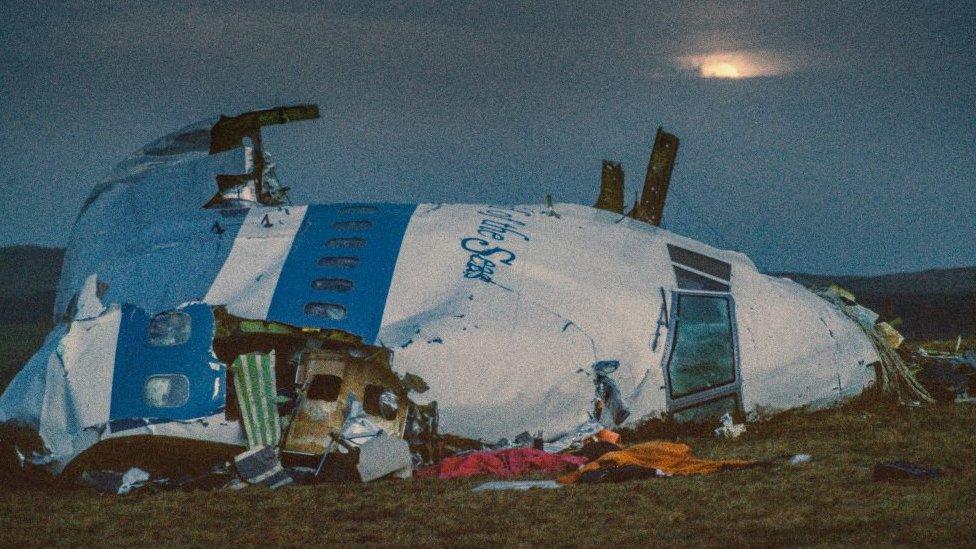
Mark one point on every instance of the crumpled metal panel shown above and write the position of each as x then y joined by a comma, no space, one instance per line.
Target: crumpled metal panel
144,231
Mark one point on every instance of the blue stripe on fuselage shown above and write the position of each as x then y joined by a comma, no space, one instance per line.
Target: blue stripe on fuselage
381,228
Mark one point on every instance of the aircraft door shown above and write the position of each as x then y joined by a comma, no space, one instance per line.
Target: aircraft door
701,360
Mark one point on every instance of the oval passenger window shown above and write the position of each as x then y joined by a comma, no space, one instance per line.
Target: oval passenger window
339,261
332,284
331,311
359,209
345,243
357,225
169,329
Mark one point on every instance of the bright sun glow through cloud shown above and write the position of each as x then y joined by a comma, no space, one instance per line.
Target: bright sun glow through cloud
736,64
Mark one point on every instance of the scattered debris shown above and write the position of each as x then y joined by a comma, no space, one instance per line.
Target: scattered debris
338,466
231,132
620,473
894,375
659,458
594,450
112,482
521,440
384,455
606,435
358,429
892,336
799,459
650,208
729,429
260,465
498,485
611,188
575,438
901,470
947,376
421,432
608,405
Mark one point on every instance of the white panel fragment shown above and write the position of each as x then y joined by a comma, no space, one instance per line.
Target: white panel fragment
87,354
247,281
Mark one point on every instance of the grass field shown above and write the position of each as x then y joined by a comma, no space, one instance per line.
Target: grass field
830,501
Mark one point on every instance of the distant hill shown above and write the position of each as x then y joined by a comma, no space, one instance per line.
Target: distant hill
961,280
933,304
28,282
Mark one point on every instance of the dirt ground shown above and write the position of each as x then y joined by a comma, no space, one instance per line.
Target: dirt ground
830,501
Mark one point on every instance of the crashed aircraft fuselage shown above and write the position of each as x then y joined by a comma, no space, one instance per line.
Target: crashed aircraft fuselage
501,310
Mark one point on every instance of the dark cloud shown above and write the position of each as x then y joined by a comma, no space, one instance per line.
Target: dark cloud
853,155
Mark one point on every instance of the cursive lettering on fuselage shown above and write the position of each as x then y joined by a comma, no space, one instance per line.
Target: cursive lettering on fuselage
486,251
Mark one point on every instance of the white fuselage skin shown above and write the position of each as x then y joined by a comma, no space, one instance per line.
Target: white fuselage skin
573,285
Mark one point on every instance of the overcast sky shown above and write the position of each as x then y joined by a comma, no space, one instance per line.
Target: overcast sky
834,137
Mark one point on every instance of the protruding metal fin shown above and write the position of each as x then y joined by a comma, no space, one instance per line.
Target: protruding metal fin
611,188
650,207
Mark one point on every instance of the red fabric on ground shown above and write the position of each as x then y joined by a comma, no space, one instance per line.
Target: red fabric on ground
510,462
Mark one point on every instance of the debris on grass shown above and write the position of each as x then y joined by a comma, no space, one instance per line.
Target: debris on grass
497,485
902,470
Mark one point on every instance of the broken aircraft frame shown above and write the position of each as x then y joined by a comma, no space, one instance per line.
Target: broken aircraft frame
180,261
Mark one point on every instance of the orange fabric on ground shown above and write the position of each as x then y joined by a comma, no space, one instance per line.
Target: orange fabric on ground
671,457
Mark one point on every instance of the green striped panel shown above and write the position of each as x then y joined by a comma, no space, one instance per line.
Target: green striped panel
254,379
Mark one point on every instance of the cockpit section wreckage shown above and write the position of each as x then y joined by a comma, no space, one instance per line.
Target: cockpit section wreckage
200,312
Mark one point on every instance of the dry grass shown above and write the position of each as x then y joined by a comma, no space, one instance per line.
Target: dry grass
830,501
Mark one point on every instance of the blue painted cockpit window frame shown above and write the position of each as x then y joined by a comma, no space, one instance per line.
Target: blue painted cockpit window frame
137,361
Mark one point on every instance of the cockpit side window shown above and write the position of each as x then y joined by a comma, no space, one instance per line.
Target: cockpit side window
169,329
167,391
379,401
